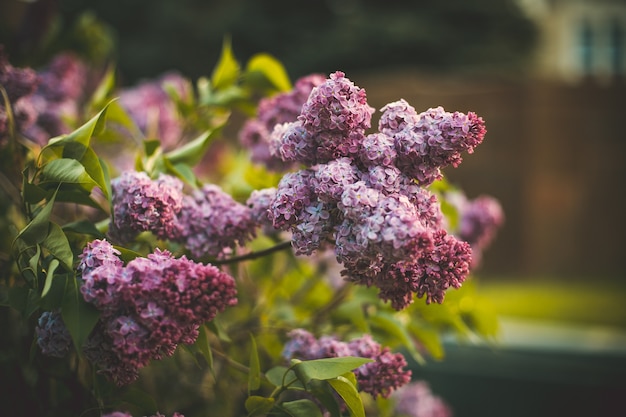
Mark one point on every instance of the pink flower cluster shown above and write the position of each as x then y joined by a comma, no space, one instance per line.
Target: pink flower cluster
479,221
154,110
147,307
378,378
365,195
53,338
277,109
417,400
141,204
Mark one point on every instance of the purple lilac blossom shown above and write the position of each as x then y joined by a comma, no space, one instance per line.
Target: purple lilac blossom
19,85
259,203
416,399
212,223
141,204
53,338
281,108
148,307
58,97
396,116
154,111
379,378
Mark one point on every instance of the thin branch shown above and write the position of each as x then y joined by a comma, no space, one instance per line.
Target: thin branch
236,365
253,255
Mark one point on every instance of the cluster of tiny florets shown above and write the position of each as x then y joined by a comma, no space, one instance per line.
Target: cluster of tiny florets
416,399
53,338
255,135
479,221
147,307
211,222
142,204
379,378
365,195
153,109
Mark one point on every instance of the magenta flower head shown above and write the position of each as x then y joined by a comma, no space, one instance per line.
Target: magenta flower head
141,204
480,220
211,222
396,116
53,338
379,378
435,141
417,400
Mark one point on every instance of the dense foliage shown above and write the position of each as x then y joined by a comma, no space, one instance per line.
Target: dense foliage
151,264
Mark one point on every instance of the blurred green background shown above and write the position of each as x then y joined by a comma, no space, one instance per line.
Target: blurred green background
547,77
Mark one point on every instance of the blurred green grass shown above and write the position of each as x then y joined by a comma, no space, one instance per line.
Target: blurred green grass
590,303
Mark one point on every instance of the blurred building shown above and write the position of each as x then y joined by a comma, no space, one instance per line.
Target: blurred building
580,39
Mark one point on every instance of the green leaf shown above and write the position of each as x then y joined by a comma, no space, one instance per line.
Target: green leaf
327,368
254,375
54,263
216,327
24,299
32,193
192,152
58,246
428,337
104,88
258,406
323,392
36,231
79,316
93,167
202,343
227,70
66,171
270,70
84,227
390,325
300,408
350,395
127,255
82,135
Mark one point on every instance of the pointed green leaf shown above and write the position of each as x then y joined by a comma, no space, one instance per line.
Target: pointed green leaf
254,375
301,408
66,171
127,255
54,263
227,70
57,245
192,152
327,368
269,68
390,325
350,395
258,406
79,316
428,337
36,231
82,135
204,346
324,393
84,227
94,168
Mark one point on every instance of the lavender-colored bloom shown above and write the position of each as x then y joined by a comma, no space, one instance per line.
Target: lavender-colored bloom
379,378
211,222
279,109
150,306
97,253
142,204
387,179
154,111
291,142
436,141
259,203
314,228
480,219
331,178
293,194
396,116
337,105
377,149
53,338
416,399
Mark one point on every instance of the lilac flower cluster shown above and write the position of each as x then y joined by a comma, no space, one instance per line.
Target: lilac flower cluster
62,86
272,111
19,84
365,194
142,204
148,307
479,221
154,111
378,378
53,338
417,400
211,222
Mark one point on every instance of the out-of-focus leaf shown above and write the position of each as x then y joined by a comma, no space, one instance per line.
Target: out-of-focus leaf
84,227
126,254
192,152
202,342
226,72
254,375
327,368
82,135
350,395
24,300
79,316
394,328
300,408
263,68
428,337
258,406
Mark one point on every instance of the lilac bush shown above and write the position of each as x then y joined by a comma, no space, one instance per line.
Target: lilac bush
169,254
